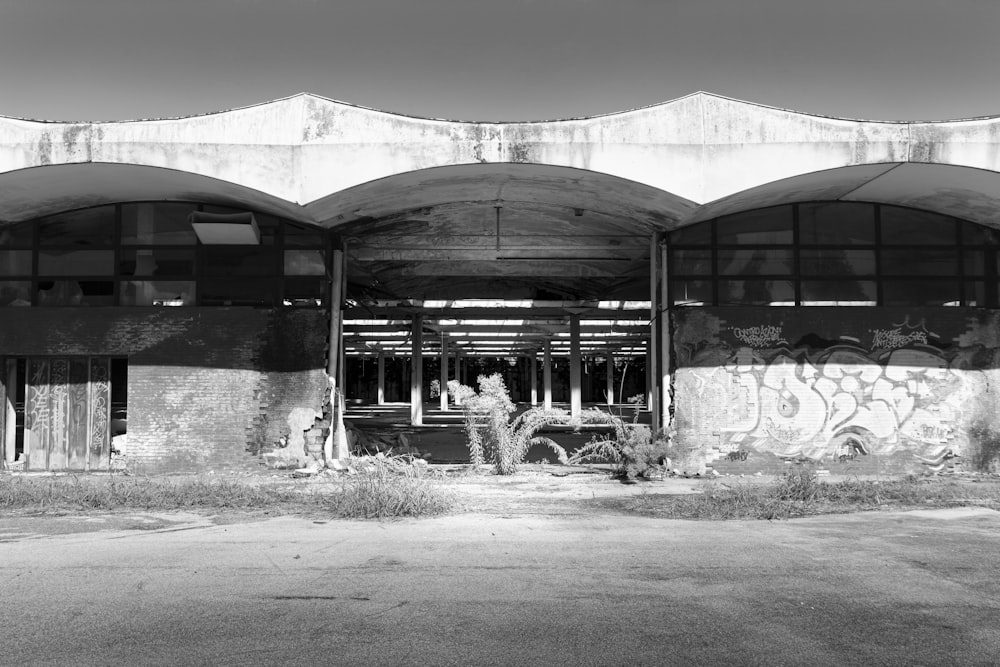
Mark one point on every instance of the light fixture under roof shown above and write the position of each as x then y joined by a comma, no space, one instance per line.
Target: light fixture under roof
225,228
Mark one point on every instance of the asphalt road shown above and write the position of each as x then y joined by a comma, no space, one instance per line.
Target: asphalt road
866,589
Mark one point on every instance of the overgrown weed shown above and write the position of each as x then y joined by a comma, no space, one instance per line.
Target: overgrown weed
801,493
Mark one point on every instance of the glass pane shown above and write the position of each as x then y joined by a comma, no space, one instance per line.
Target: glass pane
304,291
697,234
157,224
837,262
299,236
756,293
839,293
920,293
691,262
836,223
691,292
157,293
755,262
15,262
973,262
764,226
76,293
17,235
305,263
15,292
906,226
89,226
237,292
59,262
239,261
920,262
973,234
156,262
975,294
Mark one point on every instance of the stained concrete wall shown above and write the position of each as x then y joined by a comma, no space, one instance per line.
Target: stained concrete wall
850,389
208,388
701,147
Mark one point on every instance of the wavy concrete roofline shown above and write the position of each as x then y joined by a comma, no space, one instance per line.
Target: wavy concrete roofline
361,107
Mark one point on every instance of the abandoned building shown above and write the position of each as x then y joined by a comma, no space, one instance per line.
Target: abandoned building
769,286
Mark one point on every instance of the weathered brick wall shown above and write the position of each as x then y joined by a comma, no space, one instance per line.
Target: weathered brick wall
208,388
849,389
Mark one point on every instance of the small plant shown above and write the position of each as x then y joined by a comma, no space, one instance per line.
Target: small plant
493,436
386,488
633,448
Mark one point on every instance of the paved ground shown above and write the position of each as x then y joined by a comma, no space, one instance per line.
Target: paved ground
515,585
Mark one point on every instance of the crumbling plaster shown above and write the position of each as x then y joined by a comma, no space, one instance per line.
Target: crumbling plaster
699,148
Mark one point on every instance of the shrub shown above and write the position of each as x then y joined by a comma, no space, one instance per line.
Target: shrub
633,449
493,436
384,488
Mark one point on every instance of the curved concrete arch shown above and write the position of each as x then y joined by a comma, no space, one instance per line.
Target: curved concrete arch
962,192
305,148
533,186
37,191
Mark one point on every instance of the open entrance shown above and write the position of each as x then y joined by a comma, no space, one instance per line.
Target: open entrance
60,413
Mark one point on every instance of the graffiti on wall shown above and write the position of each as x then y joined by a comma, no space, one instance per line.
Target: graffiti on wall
891,390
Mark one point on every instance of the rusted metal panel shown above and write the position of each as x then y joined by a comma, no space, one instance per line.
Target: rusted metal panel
99,409
77,422
37,414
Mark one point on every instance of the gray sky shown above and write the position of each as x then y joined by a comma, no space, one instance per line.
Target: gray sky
498,59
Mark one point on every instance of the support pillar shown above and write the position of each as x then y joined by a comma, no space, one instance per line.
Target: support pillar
533,371
575,377
653,369
444,372
381,377
664,336
8,437
610,384
547,374
417,372
336,446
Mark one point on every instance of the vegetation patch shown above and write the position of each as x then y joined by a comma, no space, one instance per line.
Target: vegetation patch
375,491
800,493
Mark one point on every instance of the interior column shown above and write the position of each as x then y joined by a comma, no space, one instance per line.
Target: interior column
664,336
652,368
547,374
381,377
533,370
575,377
336,447
444,372
611,377
417,372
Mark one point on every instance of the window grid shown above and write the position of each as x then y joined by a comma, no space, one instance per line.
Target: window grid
960,280
271,276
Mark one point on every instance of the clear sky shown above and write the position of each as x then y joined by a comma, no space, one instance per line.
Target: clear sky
498,59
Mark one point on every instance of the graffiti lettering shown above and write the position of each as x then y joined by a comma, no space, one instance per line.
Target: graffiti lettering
739,455
891,339
759,336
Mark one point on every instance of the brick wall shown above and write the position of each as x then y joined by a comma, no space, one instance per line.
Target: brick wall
208,388
852,390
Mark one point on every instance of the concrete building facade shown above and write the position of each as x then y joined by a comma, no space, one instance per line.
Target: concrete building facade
792,287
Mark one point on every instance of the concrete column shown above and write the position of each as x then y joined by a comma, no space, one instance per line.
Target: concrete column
653,369
533,371
649,375
458,372
9,436
444,372
664,337
417,372
336,446
611,377
575,378
547,374
381,376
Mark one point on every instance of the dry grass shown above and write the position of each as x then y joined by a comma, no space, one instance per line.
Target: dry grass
801,493
378,491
